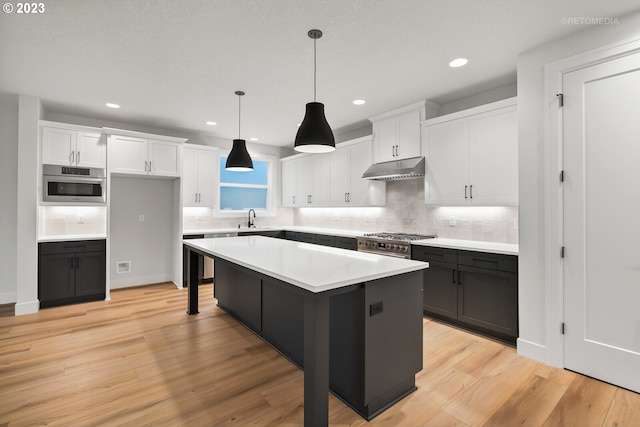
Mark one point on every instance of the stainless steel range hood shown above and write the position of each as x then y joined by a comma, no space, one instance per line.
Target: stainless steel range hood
396,169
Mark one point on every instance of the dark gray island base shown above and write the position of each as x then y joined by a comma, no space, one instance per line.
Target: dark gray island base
361,341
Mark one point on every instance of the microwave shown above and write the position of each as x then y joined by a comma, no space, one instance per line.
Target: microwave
73,185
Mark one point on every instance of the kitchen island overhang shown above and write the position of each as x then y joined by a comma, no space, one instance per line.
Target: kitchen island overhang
315,304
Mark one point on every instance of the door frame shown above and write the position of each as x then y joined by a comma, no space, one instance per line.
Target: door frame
553,165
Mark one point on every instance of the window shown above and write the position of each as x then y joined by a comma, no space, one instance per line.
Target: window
241,191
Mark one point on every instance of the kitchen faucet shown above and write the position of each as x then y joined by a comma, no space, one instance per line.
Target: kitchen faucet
249,222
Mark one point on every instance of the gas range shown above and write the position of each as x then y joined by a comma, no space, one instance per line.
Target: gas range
392,244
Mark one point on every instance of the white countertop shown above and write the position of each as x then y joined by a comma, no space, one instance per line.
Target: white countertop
71,237
470,245
311,267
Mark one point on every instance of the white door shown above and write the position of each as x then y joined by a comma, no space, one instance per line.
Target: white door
164,158
190,196
601,134
207,177
339,182
58,146
128,155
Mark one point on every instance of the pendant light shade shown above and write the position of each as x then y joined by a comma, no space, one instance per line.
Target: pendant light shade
314,134
239,159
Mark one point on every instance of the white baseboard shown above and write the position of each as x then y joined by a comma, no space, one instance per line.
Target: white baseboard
532,350
8,297
129,282
27,307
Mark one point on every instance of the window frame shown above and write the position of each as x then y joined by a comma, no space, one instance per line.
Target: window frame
270,187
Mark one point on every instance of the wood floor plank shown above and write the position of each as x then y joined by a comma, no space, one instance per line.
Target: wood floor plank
139,359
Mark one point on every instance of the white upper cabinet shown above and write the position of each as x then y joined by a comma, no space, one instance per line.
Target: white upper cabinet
289,177
138,155
72,147
346,184
199,176
396,134
332,179
472,156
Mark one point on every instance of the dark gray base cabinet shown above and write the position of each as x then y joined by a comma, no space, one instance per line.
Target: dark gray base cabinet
71,272
373,358
475,290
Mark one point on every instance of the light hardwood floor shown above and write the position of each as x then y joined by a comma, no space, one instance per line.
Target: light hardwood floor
139,359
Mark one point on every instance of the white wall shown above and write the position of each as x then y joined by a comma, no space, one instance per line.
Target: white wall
148,245
29,110
538,339
8,195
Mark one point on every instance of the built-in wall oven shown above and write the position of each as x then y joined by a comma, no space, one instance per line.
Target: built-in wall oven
391,244
67,184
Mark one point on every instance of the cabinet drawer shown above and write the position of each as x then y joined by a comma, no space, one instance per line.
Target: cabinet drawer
488,260
432,254
47,248
321,239
345,243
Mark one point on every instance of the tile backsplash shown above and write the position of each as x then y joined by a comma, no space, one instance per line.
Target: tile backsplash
406,212
72,220
203,219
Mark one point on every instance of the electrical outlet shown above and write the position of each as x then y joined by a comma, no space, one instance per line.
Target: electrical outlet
375,308
141,218
452,221
81,219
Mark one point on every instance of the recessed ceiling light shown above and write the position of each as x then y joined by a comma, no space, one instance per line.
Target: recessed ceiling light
359,102
112,105
211,123
253,139
458,62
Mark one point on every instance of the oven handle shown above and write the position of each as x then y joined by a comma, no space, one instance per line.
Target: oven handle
385,254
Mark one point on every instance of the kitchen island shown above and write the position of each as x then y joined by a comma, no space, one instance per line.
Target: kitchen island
352,321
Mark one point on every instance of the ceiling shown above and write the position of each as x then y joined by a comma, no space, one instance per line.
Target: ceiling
175,64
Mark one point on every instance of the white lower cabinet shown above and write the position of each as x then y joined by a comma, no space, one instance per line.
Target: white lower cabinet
199,176
472,156
143,156
333,179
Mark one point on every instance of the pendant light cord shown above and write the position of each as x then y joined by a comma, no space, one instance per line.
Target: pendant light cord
239,115
314,70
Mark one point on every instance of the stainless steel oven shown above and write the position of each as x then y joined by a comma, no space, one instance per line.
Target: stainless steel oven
391,244
66,184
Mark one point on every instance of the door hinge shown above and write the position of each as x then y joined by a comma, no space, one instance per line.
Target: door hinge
562,252
561,176
560,97
562,328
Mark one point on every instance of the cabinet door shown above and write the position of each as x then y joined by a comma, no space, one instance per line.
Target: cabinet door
207,177
493,157
408,135
164,158
489,299
56,277
190,177
363,192
90,273
289,184
58,146
447,157
320,173
385,139
128,155
304,177
91,150
441,290
339,178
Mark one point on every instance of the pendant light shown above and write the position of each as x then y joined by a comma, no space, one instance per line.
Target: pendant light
239,159
314,134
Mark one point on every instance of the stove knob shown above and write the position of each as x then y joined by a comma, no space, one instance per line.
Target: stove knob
405,249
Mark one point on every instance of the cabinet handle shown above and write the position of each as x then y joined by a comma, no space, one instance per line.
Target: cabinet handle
196,197
471,191
294,200
78,158
73,157
145,166
393,151
465,191
459,277
397,150
454,276
485,260
149,166
345,197
349,197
